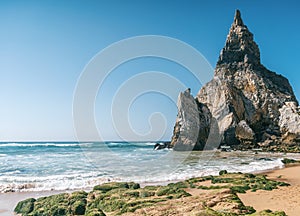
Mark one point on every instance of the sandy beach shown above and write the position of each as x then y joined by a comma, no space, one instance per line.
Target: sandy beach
286,199
283,199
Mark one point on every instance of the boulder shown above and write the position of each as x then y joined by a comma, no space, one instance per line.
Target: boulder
244,132
289,123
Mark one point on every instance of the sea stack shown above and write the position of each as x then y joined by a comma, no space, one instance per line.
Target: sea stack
250,106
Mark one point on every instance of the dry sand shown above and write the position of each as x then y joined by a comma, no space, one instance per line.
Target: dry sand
284,199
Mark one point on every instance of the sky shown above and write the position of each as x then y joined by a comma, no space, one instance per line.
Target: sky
46,45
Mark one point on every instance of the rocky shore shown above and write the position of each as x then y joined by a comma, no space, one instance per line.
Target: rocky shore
210,195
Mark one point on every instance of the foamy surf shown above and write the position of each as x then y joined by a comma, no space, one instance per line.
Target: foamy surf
74,166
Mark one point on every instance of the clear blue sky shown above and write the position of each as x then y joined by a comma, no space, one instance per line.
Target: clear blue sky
44,46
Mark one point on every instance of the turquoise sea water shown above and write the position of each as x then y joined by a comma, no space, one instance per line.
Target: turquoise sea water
41,166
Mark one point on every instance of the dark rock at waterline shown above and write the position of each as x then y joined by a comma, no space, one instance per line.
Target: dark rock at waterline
289,161
246,105
162,145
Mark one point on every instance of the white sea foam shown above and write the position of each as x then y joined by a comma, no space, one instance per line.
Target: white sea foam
88,180
68,168
150,143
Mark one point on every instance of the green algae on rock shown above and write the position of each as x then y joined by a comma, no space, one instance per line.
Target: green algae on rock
289,161
122,198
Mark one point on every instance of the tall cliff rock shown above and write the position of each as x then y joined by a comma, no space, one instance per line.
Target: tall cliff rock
253,107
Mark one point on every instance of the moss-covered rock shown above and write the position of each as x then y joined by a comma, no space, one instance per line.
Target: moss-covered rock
58,210
269,213
94,212
117,198
132,193
240,189
114,185
222,172
289,161
25,207
177,192
146,193
78,207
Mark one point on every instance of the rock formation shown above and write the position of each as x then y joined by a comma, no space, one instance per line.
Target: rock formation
192,125
253,107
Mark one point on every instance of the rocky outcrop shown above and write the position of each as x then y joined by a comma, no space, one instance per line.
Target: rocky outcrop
252,106
192,125
289,122
244,133
180,198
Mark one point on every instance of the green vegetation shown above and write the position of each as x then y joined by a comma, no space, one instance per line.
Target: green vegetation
238,183
25,207
117,198
120,197
174,190
223,172
269,213
289,161
110,186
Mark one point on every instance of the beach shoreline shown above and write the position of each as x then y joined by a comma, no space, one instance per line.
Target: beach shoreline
260,200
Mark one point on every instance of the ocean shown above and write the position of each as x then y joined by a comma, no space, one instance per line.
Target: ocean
45,166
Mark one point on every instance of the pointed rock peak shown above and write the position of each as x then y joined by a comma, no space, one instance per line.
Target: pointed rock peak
238,19
239,46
